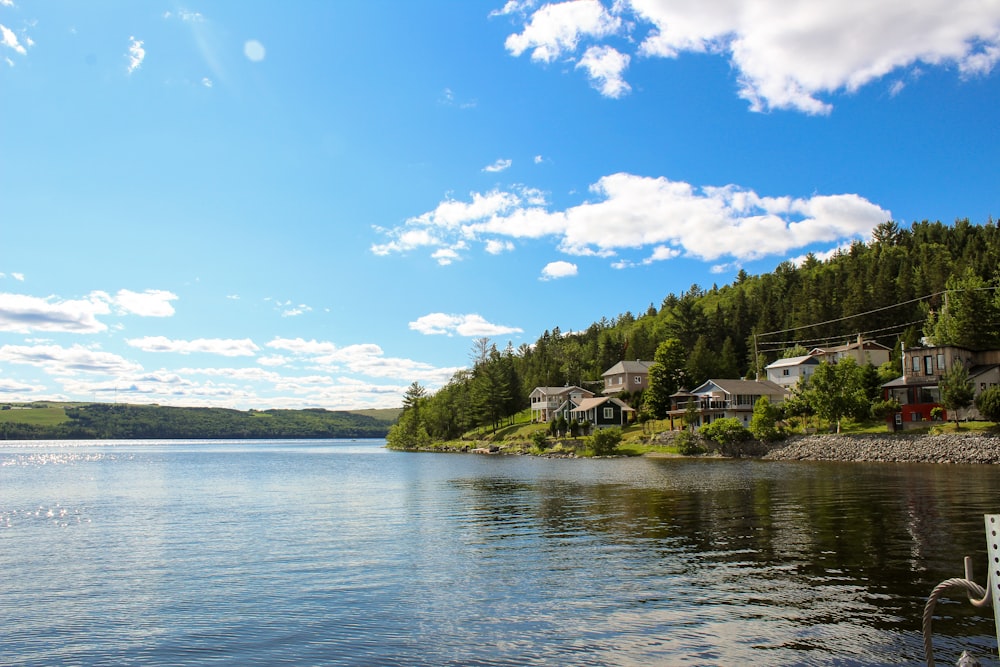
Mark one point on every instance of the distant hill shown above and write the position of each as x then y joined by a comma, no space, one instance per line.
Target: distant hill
83,421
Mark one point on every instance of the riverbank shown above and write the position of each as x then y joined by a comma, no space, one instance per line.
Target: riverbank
972,447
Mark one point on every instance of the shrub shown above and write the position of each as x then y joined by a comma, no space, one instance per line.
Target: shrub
764,423
726,431
688,444
605,441
540,438
988,404
937,414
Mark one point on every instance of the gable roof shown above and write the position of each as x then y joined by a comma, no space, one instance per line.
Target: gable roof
795,361
744,387
558,391
864,345
628,367
591,403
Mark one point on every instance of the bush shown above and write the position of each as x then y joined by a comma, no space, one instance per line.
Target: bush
688,444
764,423
605,441
988,404
726,431
540,438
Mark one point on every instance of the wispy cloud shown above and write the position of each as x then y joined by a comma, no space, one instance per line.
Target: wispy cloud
136,54
499,165
786,55
462,325
150,303
59,360
366,359
10,40
226,347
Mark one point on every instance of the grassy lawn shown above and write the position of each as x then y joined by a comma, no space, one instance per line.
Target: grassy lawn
48,416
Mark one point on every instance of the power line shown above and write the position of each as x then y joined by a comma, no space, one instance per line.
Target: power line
773,345
850,317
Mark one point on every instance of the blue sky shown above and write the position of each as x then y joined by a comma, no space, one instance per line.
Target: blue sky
314,204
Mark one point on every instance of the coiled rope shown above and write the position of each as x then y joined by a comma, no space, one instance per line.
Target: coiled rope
977,595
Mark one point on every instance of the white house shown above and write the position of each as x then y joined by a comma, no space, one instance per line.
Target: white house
788,372
546,401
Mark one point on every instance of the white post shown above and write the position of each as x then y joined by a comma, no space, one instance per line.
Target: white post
993,549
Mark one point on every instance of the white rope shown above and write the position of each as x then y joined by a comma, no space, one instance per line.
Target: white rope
977,595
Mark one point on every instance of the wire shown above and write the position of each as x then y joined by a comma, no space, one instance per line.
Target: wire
849,317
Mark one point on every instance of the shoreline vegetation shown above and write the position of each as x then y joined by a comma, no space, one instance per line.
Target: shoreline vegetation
119,421
971,444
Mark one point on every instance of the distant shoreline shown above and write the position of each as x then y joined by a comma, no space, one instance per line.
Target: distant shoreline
957,448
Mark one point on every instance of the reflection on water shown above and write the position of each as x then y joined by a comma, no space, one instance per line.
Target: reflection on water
343,553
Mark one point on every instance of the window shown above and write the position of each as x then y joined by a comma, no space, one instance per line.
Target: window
609,413
638,379
619,379
928,365
940,361
785,372
916,364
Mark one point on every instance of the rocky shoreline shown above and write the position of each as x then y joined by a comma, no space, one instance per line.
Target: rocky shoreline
973,447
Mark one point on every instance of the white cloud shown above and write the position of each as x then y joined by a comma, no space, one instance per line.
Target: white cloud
24,314
605,66
496,247
500,165
226,347
9,39
58,360
151,303
629,212
463,325
364,358
556,29
295,311
560,269
136,54
787,55
19,388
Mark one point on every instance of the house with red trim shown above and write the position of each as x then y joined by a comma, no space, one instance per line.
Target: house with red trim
918,391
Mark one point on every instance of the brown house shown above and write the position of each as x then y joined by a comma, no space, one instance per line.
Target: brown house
626,376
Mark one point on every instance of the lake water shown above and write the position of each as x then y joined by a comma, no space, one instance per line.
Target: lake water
344,553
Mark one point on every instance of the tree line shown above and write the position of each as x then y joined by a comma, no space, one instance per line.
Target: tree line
928,279
116,421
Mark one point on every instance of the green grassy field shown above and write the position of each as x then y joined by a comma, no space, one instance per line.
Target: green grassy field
47,416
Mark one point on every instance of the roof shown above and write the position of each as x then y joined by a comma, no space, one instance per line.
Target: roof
628,367
591,403
556,391
745,387
865,345
794,361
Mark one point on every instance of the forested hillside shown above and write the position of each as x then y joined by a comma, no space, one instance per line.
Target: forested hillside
892,290
116,421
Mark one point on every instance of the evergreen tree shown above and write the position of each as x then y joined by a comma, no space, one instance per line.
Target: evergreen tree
970,316
665,376
988,404
957,390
